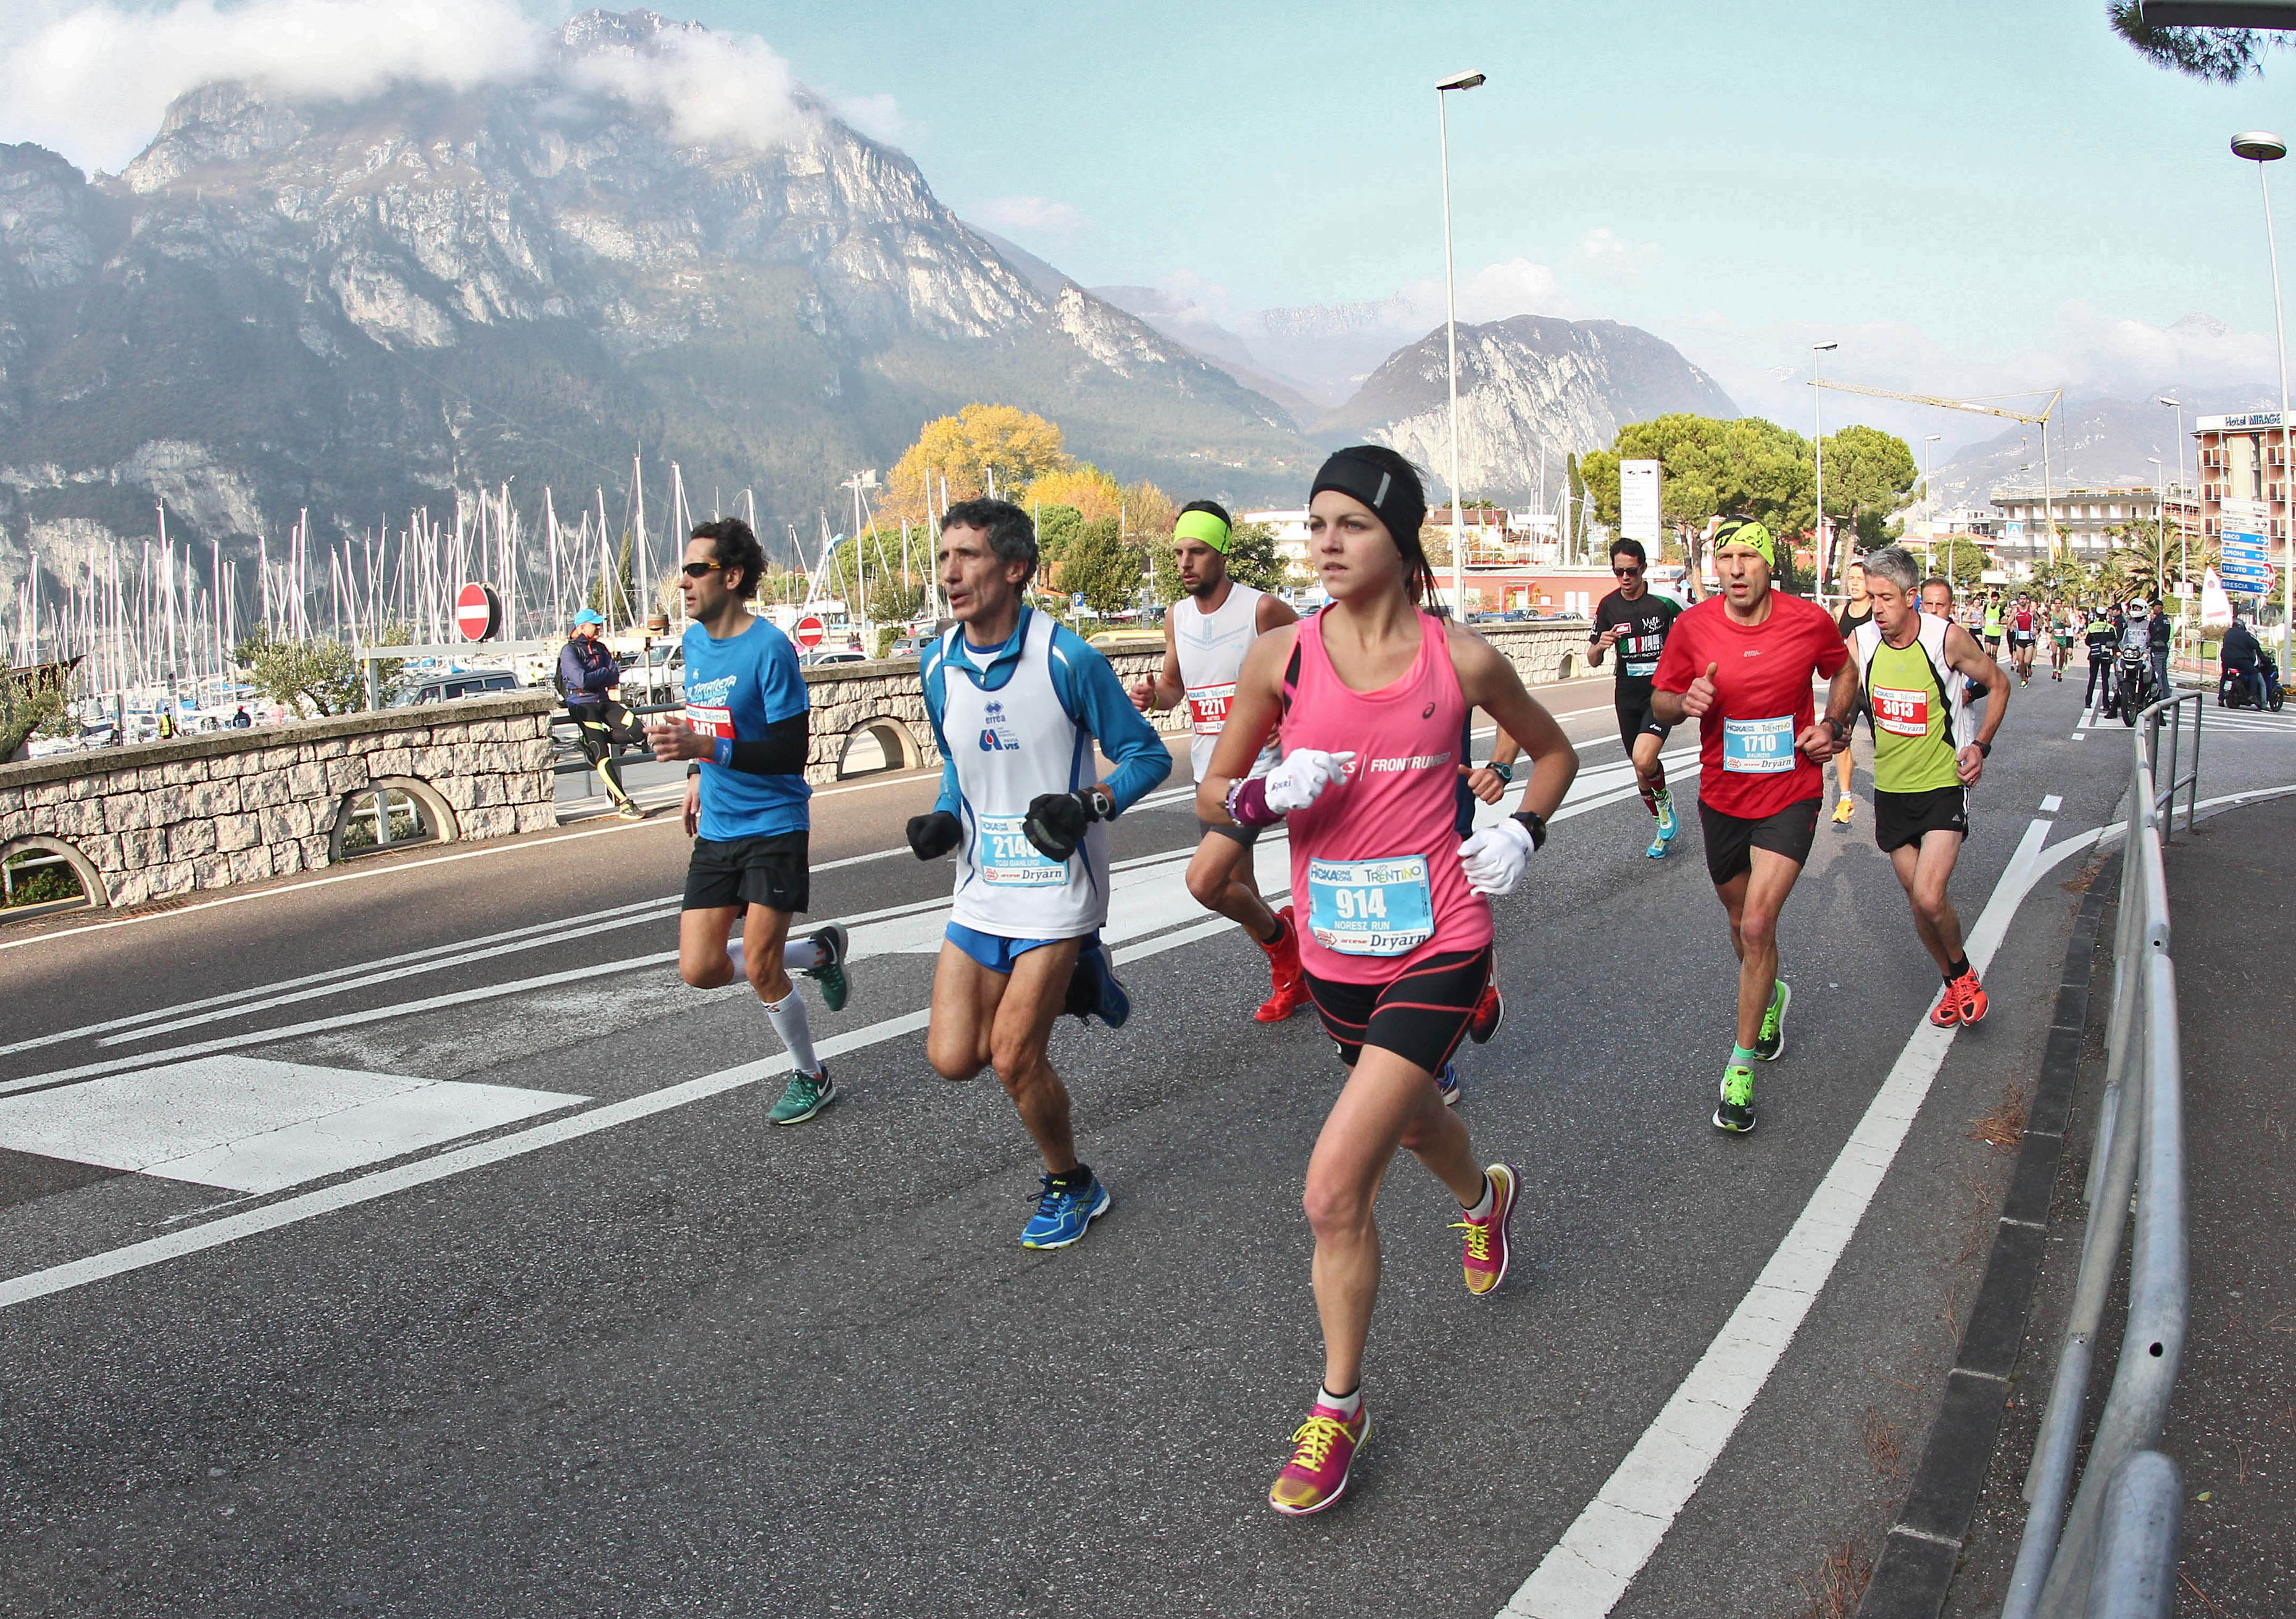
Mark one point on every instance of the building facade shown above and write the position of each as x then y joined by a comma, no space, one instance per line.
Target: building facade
2241,459
2087,520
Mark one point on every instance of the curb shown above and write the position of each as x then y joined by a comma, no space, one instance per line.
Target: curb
1922,1551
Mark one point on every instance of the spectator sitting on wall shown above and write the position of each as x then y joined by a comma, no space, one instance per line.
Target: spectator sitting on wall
587,675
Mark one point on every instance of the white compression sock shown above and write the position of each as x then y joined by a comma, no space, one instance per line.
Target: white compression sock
1482,1208
799,954
733,954
1345,1405
788,1015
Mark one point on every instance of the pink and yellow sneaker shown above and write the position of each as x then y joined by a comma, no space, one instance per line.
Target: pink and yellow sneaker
1487,1238
1324,1451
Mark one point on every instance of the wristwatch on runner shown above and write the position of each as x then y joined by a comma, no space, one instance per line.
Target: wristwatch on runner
1534,824
1501,768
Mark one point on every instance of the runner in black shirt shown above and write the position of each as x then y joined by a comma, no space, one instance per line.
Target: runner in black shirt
2101,638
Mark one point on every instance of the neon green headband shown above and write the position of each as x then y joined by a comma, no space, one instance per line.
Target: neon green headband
1750,534
1206,527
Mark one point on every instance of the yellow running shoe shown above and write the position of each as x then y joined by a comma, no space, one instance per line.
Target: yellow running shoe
1844,811
1323,1453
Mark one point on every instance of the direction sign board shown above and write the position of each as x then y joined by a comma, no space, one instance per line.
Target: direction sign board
1638,501
477,611
2246,568
808,632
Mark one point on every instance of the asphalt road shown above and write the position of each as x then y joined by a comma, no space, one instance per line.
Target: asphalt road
409,1240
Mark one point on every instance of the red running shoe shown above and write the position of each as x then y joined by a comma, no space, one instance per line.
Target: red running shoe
1289,991
1947,1012
1324,1451
1487,1241
1972,999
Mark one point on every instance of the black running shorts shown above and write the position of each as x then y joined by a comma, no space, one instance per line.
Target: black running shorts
1731,840
1900,819
1635,716
770,872
1420,1015
1245,835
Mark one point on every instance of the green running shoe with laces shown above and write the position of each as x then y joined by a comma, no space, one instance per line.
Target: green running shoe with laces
1736,1112
1770,1045
831,974
806,1095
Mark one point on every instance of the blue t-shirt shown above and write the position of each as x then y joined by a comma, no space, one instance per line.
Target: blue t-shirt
736,689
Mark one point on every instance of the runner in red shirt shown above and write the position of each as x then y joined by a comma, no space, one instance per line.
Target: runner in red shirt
1739,662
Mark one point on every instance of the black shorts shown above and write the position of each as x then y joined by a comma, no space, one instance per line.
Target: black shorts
770,872
1635,717
1900,819
1245,835
1420,1015
1731,840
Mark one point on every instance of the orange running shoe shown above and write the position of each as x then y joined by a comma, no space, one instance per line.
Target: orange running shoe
1289,991
1973,997
1947,1012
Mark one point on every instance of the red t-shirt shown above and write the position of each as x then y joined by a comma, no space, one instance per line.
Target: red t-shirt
1747,764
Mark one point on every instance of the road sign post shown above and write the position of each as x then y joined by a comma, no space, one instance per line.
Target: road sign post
477,611
808,632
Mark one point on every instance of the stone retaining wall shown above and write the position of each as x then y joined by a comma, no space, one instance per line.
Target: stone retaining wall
160,818
885,696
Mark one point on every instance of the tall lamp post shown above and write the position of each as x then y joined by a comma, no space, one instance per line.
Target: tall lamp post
2161,512
2184,547
2260,148
1460,81
1818,449
1929,486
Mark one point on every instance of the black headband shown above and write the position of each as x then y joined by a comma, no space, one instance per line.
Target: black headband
1397,503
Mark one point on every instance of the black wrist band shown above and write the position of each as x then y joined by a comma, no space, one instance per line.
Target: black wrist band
1534,824
1984,750
693,767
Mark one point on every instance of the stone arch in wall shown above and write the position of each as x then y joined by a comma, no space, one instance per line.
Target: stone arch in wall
1567,668
884,743
91,880
406,802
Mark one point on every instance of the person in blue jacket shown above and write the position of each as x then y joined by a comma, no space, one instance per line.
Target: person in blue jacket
1017,702
587,675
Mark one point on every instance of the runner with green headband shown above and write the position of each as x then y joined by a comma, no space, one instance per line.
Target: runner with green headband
1739,662
1206,633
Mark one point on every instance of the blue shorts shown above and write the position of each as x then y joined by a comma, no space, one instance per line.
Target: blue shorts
997,953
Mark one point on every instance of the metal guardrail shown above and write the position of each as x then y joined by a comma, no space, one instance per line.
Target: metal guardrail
2113,1554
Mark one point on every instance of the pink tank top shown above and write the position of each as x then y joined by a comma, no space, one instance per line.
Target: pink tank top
1375,873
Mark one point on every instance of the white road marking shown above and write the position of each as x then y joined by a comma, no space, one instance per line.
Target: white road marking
2051,804
1589,1569
254,1126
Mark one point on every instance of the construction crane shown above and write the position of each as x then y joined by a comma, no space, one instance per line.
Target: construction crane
1982,408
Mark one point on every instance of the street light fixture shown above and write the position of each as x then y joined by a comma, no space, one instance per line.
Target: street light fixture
2184,544
2259,148
1818,449
1459,81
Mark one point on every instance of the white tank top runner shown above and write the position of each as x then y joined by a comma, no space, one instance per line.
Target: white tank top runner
1009,746
1212,647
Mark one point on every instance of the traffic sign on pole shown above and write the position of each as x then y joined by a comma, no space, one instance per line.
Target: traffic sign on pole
477,611
808,632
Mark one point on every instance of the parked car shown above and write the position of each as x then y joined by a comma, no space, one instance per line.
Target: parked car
465,682
843,655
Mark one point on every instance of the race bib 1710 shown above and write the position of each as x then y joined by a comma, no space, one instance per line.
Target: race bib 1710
1758,747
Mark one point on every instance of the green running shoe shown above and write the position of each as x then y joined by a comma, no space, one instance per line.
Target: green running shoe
1770,1045
831,974
1736,1112
806,1095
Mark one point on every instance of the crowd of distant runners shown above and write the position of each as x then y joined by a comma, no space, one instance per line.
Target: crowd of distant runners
1349,730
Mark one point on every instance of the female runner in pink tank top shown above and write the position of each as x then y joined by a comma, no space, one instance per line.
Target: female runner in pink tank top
1372,695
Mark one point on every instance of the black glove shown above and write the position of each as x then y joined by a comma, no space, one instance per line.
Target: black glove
934,835
1056,821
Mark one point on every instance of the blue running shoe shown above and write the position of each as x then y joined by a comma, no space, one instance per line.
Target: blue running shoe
1668,826
1657,850
1094,991
1064,1212
1447,1084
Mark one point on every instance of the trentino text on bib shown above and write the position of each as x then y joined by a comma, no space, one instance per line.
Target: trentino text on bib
1758,747
1370,907
716,722
1901,713
1208,706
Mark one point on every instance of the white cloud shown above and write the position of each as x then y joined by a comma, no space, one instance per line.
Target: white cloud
1513,286
714,89
1608,256
94,83
1041,218
878,117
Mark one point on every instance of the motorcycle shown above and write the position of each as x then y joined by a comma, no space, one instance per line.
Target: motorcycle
2133,684
2232,690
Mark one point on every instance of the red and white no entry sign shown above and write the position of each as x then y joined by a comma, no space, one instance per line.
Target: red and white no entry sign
477,611
810,632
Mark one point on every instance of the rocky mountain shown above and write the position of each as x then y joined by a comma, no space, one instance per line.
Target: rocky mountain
1527,384
355,309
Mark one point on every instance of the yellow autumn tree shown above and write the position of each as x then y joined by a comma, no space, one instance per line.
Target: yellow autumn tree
965,453
1092,492
1149,515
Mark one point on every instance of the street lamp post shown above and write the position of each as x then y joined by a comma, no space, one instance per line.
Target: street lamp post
1929,485
1460,81
2260,148
2184,546
2160,513
1818,449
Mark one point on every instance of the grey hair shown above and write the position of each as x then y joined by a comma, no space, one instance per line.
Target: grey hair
1896,565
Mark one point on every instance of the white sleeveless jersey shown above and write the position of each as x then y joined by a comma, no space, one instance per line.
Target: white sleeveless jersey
1961,719
1009,746
1212,647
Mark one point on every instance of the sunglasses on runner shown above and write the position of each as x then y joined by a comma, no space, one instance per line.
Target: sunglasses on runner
696,570
1627,572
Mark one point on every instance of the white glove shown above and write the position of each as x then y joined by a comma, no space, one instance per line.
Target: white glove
1495,857
1304,774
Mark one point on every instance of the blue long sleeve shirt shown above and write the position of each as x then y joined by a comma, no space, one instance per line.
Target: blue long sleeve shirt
1090,694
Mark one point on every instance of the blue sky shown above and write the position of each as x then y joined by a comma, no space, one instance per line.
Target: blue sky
1968,197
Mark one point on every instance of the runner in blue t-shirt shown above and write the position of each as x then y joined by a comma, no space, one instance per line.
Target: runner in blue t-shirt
745,739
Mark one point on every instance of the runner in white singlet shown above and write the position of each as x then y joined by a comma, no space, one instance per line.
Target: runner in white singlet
1206,633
